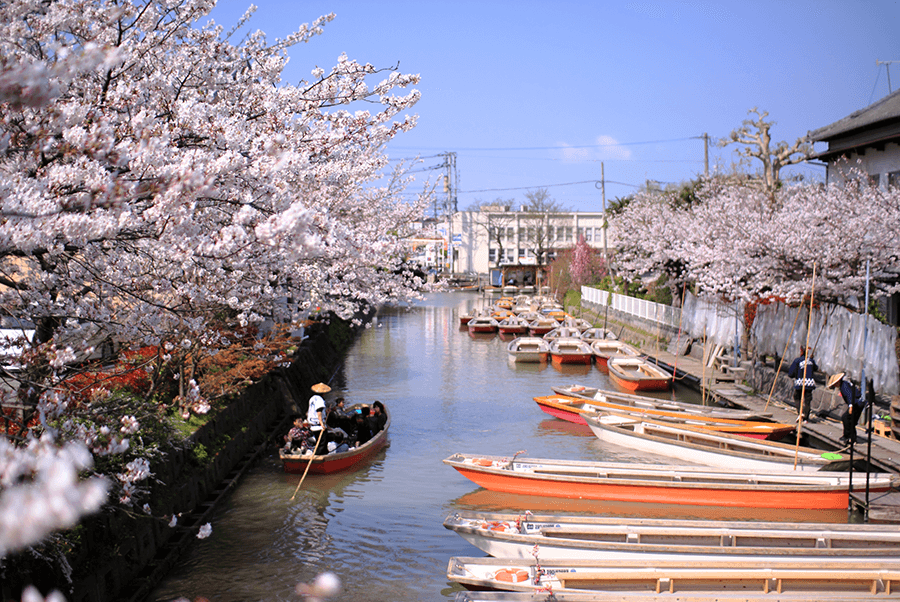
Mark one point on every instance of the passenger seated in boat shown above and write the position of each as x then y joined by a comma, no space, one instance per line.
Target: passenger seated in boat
297,439
362,432
377,418
338,422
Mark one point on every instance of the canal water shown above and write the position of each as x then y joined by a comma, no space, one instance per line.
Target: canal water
379,529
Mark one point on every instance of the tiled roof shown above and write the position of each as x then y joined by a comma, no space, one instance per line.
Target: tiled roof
886,109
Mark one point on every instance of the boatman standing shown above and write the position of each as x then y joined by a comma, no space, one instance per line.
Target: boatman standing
855,405
802,370
315,416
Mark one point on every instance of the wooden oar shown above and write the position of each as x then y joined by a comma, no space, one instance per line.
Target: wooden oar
812,294
308,464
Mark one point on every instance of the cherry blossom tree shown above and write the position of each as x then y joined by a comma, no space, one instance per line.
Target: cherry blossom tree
735,244
154,175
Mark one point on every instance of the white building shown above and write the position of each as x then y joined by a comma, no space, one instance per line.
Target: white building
869,139
498,235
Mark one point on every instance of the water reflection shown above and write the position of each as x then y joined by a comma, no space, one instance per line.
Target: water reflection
380,528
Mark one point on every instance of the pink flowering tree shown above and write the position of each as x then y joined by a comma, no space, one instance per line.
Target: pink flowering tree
736,243
154,174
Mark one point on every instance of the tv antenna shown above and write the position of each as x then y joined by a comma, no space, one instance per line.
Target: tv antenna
887,68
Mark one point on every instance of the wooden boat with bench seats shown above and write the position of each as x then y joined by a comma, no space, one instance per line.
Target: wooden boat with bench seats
637,374
642,401
573,409
665,484
569,350
606,348
711,595
559,536
683,580
335,462
702,446
528,349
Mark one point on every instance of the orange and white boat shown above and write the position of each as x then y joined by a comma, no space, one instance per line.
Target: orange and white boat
569,350
606,348
528,349
512,325
541,326
573,409
664,484
482,324
637,374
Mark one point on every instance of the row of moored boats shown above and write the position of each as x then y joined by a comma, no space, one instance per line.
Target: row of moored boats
735,461
544,332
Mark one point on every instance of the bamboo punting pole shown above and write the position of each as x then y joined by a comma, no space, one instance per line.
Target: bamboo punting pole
812,293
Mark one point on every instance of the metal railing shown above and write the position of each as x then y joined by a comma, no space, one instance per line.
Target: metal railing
641,308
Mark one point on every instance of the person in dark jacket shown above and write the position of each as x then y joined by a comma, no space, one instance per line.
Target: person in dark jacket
802,370
362,433
855,405
377,418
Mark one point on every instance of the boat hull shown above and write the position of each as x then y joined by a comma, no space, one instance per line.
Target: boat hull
573,409
330,463
662,485
646,378
569,537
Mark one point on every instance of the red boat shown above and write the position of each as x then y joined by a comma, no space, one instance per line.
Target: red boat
665,484
637,374
572,409
569,350
328,463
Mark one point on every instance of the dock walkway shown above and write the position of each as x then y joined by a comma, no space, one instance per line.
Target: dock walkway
885,452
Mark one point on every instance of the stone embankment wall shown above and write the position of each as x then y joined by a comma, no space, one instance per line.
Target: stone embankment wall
129,553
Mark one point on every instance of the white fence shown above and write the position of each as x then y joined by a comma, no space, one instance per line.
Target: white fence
641,308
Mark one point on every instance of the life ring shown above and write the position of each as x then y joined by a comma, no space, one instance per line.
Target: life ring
511,575
482,462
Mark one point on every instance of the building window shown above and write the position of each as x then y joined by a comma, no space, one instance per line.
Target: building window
510,233
875,179
521,253
893,179
588,234
569,233
492,255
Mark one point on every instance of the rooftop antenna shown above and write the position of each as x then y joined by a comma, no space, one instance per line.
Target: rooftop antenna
887,68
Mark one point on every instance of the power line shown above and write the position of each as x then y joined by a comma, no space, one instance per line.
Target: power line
518,148
547,186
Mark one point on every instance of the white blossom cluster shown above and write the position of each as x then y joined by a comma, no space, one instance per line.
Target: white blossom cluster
737,242
152,173
40,490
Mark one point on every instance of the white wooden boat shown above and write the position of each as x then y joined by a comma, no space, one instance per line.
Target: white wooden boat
541,326
482,324
512,325
637,374
606,348
593,334
644,402
578,323
684,580
702,446
528,349
569,350
665,484
642,596
559,332
558,536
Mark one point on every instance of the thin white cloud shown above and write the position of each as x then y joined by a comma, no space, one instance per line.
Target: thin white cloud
604,148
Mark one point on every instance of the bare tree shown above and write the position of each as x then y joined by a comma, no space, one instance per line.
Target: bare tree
494,218
536,222
754,135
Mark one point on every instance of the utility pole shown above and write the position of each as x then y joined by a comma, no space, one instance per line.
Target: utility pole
450,186
705,154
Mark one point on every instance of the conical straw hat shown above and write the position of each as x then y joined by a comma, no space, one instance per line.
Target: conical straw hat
835,379
321,388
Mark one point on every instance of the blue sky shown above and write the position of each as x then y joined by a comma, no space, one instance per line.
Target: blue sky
537,94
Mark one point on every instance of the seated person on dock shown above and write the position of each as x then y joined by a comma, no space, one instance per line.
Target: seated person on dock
377,418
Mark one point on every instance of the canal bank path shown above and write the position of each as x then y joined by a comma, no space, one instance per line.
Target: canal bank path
885,451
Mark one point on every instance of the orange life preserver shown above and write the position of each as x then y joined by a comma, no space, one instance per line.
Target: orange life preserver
482,462
511,575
